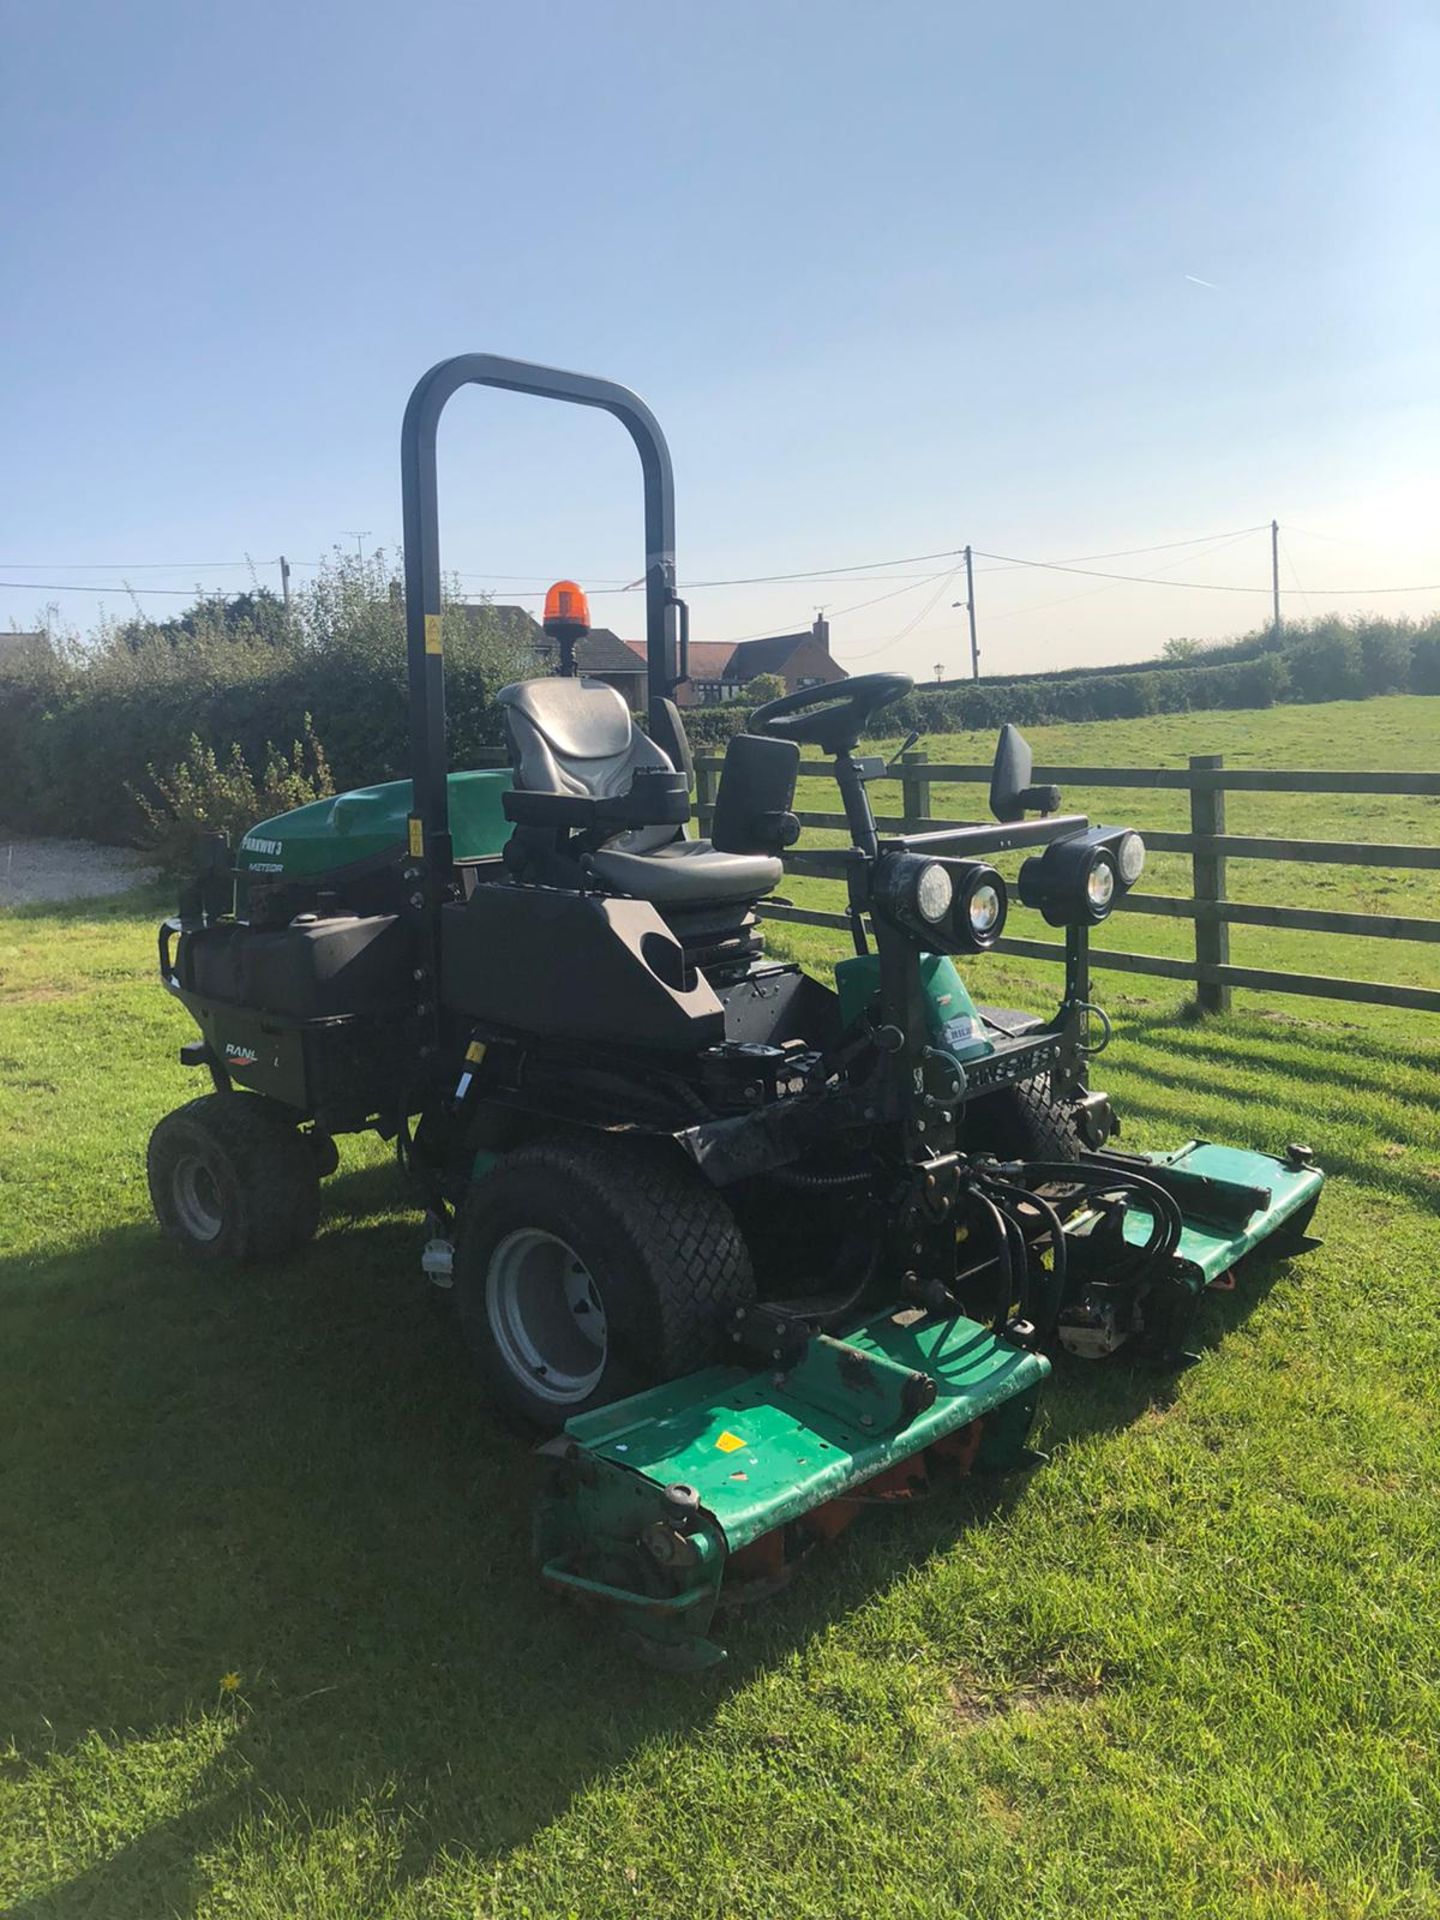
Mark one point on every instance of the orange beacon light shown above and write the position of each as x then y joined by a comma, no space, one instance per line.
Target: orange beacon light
567,619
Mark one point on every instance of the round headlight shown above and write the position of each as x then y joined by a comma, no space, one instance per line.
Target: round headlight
984,910
1130,858
934,891
1100,886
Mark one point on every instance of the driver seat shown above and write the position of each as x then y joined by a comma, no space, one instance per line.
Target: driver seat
575,736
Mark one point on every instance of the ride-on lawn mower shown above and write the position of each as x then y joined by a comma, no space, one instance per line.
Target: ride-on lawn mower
756,1252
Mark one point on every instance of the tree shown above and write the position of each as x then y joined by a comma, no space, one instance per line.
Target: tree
765,686
1180,649
257,616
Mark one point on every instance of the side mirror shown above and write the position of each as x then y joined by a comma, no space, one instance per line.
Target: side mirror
1010,790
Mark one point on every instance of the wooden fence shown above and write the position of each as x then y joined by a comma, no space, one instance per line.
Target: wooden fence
1207,781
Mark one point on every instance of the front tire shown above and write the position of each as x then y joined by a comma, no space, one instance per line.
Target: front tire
588,1269
1023,1122
233,1180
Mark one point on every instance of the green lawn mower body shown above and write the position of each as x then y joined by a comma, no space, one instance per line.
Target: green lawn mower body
756,1251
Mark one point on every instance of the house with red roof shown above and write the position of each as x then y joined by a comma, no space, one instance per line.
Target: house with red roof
720,670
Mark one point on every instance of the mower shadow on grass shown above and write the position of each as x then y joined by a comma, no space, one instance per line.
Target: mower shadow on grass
290,1476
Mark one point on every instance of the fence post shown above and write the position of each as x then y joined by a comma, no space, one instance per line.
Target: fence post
707,785
1212,934
914,787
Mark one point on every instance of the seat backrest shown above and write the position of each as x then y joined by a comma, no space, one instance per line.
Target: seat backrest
573,735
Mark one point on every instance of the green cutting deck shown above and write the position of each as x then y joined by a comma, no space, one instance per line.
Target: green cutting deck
1210,1244
754,1452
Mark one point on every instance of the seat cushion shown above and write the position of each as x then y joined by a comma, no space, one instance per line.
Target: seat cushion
687,871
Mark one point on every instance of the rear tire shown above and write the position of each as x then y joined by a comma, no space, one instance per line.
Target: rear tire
233,1180
586,1269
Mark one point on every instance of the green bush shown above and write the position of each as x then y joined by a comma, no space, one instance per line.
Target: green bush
1425,664
204,794
765,686
80,724
1386,652
1330,667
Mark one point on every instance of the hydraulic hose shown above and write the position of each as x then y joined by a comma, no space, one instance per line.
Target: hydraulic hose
1165,1214
838,1311
1006,1272
816,1182
1059,1261
1019,1256
842,1309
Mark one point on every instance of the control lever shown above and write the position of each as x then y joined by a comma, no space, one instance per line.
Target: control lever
900,752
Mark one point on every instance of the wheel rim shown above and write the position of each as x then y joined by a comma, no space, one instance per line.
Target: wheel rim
546,1316
196,1194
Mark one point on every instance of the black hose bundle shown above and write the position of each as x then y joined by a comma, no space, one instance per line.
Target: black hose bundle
999,1193
1048,1312
1166,1219
1002,1229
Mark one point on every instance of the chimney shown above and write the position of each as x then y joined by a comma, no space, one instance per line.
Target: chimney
821,631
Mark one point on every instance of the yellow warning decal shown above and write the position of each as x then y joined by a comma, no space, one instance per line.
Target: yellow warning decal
433,642
728,1442
475,1052
417,839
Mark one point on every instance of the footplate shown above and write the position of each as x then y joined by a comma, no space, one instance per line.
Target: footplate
656,1499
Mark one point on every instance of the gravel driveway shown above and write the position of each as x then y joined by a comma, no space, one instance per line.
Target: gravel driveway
33,870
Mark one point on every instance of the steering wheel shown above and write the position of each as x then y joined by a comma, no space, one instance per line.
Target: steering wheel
833,715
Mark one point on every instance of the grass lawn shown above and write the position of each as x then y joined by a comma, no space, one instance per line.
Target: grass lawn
1191,1668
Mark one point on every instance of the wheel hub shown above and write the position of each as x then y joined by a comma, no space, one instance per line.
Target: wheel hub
546,1316
196,1195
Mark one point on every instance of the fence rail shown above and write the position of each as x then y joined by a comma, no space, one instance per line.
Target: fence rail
1212,913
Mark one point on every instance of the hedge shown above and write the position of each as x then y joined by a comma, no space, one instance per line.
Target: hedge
1328,660
80,728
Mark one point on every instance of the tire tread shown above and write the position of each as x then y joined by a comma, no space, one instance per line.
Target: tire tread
275,1172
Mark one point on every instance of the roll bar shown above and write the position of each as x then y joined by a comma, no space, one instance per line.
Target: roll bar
429,762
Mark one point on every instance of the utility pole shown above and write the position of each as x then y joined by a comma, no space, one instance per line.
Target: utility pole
1275,572
969,605
351,533
285,586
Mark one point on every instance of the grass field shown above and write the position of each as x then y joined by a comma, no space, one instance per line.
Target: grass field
1395,734
270,1642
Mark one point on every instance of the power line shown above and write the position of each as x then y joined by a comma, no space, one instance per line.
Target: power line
1285,550
620,586
65,586
856,571
911,625
1206,586
1089,593
123,566
920,580
691,586
1122,553
826,573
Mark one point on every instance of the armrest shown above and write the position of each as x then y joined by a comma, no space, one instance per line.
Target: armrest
549,809
656,799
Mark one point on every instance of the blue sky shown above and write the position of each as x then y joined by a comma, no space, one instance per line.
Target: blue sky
894,278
